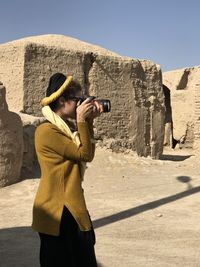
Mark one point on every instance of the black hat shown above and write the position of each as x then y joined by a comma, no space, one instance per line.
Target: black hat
58,83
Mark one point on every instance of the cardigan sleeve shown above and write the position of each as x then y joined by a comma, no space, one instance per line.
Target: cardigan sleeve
51,139
91,130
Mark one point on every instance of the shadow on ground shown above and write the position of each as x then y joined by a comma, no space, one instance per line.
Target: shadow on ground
145,207
19,247
174,157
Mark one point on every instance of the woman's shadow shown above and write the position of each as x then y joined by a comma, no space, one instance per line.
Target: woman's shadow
19,247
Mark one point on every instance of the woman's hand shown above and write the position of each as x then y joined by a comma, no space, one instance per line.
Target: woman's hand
84,110
97,110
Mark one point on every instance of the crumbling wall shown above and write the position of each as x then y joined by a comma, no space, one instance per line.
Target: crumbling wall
196,132
184,85
156,107
134,87
168,117
137,118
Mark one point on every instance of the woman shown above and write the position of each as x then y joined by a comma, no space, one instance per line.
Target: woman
60,214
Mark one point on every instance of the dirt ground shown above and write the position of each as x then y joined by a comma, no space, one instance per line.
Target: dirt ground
145,212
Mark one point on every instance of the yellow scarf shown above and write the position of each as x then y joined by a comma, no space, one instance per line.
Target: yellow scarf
60,123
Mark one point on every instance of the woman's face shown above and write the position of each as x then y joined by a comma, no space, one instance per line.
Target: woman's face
68,107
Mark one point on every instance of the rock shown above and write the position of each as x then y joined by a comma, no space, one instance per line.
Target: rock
11,143
30,166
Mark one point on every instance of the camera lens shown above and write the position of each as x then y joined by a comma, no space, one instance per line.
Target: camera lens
106,105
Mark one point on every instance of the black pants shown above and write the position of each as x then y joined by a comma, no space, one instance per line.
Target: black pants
72,248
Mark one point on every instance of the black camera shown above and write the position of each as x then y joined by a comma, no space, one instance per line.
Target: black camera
104,102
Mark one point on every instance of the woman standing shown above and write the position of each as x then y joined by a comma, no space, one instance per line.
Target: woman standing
60,215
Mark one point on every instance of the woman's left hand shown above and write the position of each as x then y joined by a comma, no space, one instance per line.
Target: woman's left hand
97,110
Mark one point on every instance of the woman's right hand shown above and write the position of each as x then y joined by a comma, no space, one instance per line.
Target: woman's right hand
84,110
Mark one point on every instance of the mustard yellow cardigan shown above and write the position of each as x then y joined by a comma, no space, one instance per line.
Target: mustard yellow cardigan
60,181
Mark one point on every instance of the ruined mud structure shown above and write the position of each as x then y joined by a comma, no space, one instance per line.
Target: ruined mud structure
134,87
184,87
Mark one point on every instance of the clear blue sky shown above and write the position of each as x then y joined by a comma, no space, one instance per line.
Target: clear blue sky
164,31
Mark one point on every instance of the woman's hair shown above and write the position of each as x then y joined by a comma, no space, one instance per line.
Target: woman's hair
73,88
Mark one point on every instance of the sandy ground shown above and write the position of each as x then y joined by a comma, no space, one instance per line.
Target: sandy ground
145,212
